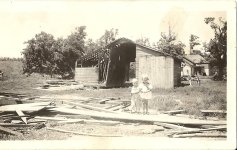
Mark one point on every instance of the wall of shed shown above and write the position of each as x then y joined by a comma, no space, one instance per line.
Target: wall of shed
177,73
140,52
159,69
87,75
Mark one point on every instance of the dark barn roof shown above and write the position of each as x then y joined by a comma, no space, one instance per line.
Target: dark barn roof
109,50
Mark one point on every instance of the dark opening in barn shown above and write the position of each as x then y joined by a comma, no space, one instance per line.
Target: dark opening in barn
111,63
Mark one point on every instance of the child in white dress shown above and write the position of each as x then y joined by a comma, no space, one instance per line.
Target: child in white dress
145,93
135,97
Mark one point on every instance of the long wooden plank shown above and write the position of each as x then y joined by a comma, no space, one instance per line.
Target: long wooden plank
6,130
26,107
174,112
171,126
108,107
197,130
198,135
17,125
73,132
213,111
51,118
133,117
20,113
90,107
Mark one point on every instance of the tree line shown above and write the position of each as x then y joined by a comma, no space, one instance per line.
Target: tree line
46,54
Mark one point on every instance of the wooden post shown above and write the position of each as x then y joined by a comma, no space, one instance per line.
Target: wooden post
106,80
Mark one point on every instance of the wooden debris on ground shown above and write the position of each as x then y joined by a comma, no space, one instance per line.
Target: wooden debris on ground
173,112
99,111
6,130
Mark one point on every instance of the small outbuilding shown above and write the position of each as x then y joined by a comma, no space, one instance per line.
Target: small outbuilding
111,65
195,63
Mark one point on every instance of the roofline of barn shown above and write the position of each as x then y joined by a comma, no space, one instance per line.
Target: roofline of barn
179,57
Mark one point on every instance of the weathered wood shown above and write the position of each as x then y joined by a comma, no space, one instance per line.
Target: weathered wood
20,113
171,126
66,131
90,107
108,107
172,112
116,108
213,111
103,101
6,130
198,135
90,121
50,118
65,120
197,130
132,117
25,107
120,107
17,125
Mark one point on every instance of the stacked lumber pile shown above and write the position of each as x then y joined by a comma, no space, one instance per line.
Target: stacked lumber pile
102,111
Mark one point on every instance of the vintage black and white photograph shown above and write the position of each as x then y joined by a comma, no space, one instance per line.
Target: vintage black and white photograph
117,74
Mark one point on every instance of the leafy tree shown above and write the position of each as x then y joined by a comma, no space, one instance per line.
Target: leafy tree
193,41
143,41
72,48
108,37
218,45
38,55
43,54
91,46
169,44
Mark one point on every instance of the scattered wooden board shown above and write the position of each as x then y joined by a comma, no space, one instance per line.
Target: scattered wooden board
20,113
171,126
17,125
109,107
24,107
214,111
197,130
131,117
172,112
103,101
6,130
198,135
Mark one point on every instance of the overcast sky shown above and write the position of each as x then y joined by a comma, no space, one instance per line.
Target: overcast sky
21,20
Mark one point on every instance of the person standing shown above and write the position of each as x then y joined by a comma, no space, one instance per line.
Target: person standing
135,98
145,93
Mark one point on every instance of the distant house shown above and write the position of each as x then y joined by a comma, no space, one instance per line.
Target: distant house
110,65
195,64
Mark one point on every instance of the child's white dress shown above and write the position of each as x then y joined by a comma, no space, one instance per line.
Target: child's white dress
145,91
134,99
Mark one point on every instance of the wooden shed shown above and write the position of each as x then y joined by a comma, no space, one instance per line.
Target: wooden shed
110,65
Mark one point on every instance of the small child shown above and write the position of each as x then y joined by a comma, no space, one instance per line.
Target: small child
145,93
189,78
197,78
135,96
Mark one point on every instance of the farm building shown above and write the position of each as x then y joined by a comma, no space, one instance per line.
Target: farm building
196,64
110,65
